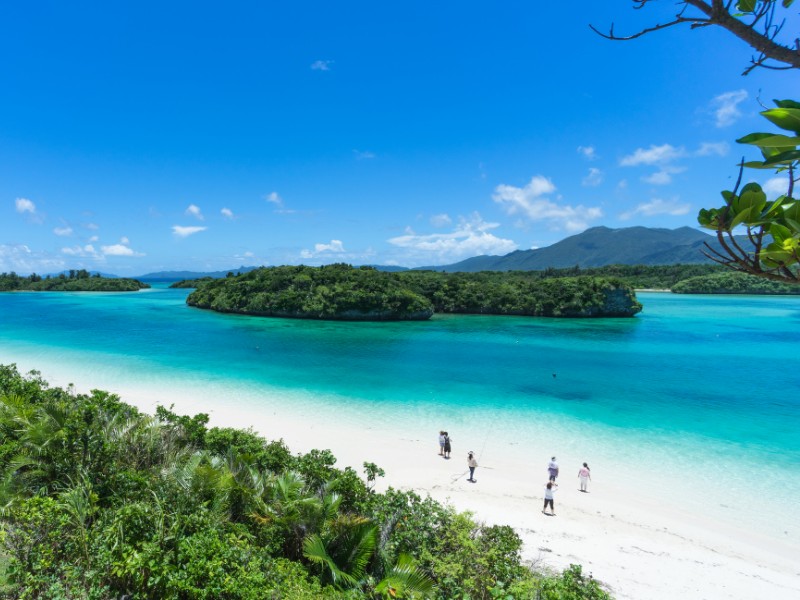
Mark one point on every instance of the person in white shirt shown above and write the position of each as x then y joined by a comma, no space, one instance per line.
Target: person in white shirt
549,490
471,463
552,468
441,443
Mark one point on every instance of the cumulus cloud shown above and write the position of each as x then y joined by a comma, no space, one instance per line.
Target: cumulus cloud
654,155
335,247
531,202
776,186
725,107
87,251
657,206
321,65
25,206
664,175
594,178
588,152
119,250
182,232
194,211
227,213
442,220
470,237
63,231
21,259
712,149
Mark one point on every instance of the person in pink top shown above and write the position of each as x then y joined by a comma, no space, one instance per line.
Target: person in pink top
585,475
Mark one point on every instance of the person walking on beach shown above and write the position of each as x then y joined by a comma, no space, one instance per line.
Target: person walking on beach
552,469
471,463
585,475
441,443
549,490
447,445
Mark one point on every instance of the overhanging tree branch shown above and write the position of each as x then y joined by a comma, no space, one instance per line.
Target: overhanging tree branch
753,22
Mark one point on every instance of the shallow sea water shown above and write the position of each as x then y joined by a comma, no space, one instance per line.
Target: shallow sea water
697,396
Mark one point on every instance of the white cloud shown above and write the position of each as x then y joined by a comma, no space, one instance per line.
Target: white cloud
275,199
442,220
471,237
776,186
365,155
530,202
726,107
124,240
119,250
25,206
334,246
63,231
21,259
227,213
194,211
712,148
657,206
183,232
654,155
94,238
321,65
594,178
87,251
658,178
588,152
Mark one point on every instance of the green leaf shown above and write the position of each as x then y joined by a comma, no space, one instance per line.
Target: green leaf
770,140
787,3
746,6
779,232
786,103
783,158
785,118
728,196
757,164
791,210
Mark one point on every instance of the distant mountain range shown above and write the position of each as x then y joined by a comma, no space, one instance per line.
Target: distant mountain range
597,247
180,275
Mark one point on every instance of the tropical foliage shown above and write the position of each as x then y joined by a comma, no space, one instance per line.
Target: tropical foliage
344,292
98,500
335,291
73,281
772,250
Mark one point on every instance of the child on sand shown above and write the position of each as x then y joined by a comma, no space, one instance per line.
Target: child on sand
441,443
585,475
549,490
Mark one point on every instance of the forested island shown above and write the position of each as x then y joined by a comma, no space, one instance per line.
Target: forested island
343,292
99,500
73,281
734,282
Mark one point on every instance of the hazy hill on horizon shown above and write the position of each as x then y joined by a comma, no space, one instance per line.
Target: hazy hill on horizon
598,247
595,247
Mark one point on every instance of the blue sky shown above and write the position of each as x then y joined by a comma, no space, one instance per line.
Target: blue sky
159,136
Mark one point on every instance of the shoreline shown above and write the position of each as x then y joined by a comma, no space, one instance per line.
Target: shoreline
639,546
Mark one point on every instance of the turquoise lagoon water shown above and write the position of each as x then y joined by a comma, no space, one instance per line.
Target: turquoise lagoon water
699,391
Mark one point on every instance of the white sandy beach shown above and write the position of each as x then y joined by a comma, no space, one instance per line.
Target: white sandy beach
640,547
